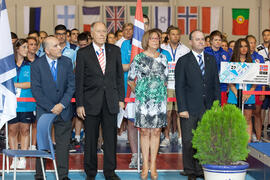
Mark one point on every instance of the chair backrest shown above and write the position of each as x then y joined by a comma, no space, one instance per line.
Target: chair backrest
44,128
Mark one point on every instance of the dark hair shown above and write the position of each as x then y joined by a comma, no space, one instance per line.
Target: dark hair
33,32
250,36
265,30
191,33
83,36
74,29
215,33
230,42
16,46
171,28
32,38
146,17
117,32
207,37
68,31
13,35
60,27
236,51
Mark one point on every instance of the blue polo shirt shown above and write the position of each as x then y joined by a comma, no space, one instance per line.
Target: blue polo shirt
220,56
70,53
23,75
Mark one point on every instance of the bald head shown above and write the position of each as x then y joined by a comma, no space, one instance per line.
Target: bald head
52,47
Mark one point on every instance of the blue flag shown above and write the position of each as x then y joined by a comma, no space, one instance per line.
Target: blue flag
8,101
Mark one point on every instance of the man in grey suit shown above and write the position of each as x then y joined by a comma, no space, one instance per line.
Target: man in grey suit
53,85
196,87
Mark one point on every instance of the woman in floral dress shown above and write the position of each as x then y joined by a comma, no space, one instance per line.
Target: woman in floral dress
148,78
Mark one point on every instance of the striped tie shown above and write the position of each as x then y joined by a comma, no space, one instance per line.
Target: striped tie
201,64
101,60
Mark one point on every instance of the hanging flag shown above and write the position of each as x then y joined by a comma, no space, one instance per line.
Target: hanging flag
138,32
66,15
210,19
162,16
187,19
132,10
240,21
115,17
31,19
90,15
8,102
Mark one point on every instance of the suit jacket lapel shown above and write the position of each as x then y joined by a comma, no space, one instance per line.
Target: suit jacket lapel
93,56
47,68
108,53
206,65
195,63
59,70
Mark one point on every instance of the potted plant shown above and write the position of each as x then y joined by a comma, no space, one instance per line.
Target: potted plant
221,141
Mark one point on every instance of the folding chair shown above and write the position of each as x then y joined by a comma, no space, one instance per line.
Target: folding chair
44,142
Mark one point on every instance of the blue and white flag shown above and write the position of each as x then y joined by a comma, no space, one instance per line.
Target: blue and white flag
162,18
8,102
66,15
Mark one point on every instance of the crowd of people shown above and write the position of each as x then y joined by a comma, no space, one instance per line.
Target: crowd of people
96,69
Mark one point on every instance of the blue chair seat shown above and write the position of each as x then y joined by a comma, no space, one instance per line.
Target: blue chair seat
27,153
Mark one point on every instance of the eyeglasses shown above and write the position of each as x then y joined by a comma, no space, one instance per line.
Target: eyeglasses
156,39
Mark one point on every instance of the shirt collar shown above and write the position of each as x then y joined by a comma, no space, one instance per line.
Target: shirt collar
96,47
196,54
50,60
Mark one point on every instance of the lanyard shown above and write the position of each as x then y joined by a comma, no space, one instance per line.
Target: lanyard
267,54
174,52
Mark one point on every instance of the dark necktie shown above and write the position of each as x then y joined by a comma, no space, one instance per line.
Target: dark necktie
54,70
201,64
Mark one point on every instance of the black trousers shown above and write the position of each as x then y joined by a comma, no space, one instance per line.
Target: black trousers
108,123
191,165
62,138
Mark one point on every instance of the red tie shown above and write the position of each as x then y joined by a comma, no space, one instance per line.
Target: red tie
101,60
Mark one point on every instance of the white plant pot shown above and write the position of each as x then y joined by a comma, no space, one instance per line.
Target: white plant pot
218,172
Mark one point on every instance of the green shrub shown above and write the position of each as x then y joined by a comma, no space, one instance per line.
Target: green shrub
221,137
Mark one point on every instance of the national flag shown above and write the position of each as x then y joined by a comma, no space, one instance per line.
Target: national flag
187,18
240,21
132,10
138,32
210,19
32,17
115,17
66,15
8,102
162,18
90,15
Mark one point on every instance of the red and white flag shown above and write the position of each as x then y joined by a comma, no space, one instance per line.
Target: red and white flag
210,19
90,15
137,36
187,18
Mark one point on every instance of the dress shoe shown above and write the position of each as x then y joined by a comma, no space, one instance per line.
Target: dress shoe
200,176
112,177
38,178
65,178
90,178
191,177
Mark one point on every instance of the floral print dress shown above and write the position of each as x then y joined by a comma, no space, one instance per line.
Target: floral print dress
151,92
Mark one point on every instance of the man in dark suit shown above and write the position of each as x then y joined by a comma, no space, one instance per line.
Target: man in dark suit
99,93
53,85
196,86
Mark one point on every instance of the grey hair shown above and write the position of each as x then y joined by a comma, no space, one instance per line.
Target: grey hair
94,23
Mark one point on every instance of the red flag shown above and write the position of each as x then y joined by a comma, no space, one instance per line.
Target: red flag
137,36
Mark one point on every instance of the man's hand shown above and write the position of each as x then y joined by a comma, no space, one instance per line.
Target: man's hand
81,112
57,109
184,114
121,105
